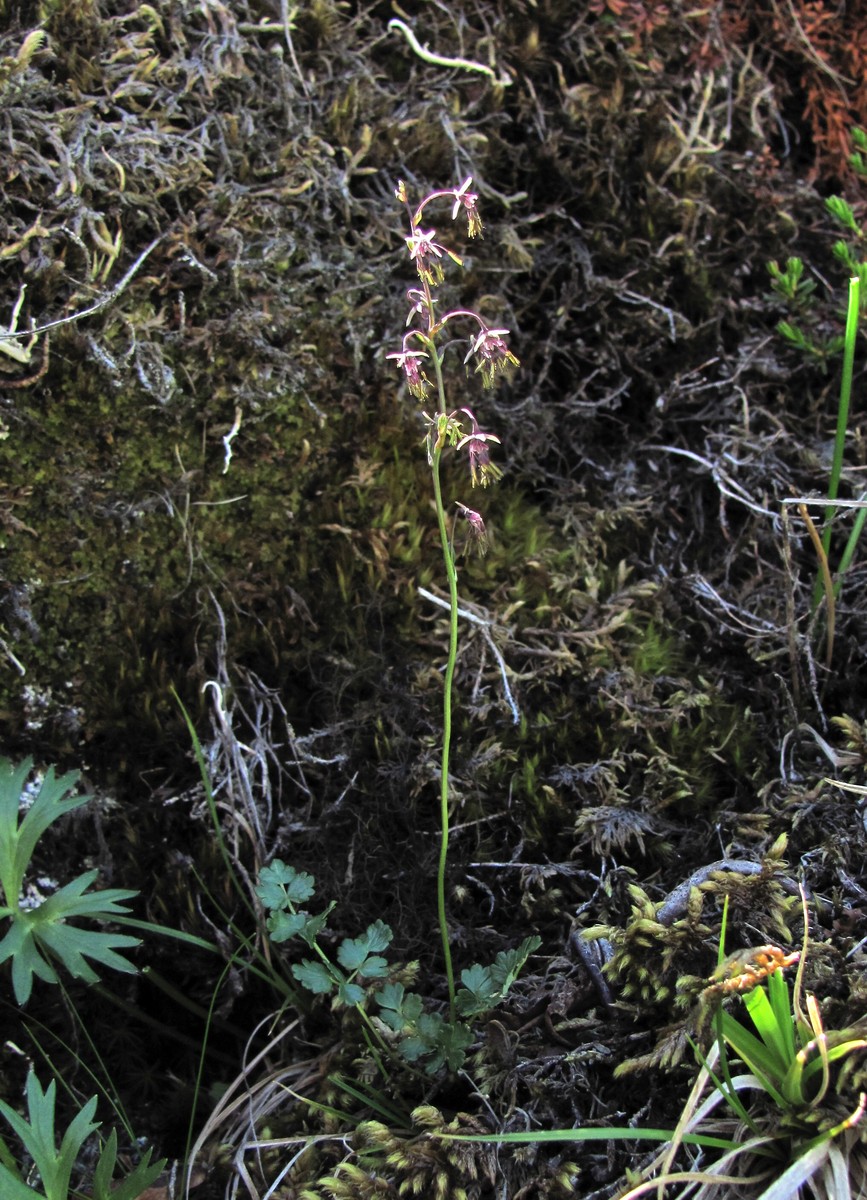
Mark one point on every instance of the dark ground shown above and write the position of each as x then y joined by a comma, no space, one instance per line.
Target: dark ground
638,165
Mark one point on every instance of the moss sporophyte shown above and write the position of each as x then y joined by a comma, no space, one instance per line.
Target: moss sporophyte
423,349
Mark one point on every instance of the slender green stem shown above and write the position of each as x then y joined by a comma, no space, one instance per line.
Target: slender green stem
851,544
842,419
447,727
845,394
452,574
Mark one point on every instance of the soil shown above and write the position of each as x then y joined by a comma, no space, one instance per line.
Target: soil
215,496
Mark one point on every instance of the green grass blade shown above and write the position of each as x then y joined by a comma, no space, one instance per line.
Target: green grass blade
765,1019
851,544
756,1057
845,396
723,1082
784,1022
617,1133
852,309
373,1098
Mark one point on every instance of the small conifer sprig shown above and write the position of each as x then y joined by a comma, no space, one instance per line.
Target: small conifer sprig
420,359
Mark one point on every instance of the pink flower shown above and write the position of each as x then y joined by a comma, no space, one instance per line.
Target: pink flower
422,244
419,304
491,353
482,470
467,201
476,526
408,361
425,252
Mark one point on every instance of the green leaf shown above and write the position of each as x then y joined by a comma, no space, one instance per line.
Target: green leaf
479,993
37,1135
783,1017
375,967
284,925
413,1047
133,1185
768,1026
315,925
842,212
45,929
391,996
755,1056
26,963
350,994
477,979
394,1019
281,886
435,1037
455,1040
509,964
485,987
791,334
314,976
398,1008
17,842
70,901
354,951
12,1187
72,946
844,255
379,936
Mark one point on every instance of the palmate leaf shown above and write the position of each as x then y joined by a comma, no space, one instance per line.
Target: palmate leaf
281,886
443,1043
479,992
43,933
284,925
509,963
360,954
398,1008
485,987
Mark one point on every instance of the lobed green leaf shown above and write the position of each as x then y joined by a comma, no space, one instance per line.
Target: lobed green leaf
284,925
281,886
314,976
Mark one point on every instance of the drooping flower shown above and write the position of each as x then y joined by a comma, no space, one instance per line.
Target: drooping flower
467,200
426,253
482,470
476,526
409,361
420,304
492,355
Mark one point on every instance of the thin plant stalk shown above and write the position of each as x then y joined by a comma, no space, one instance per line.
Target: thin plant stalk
448,688
845,396
849,552
850,336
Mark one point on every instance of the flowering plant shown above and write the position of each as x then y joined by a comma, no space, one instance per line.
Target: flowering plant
423,350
